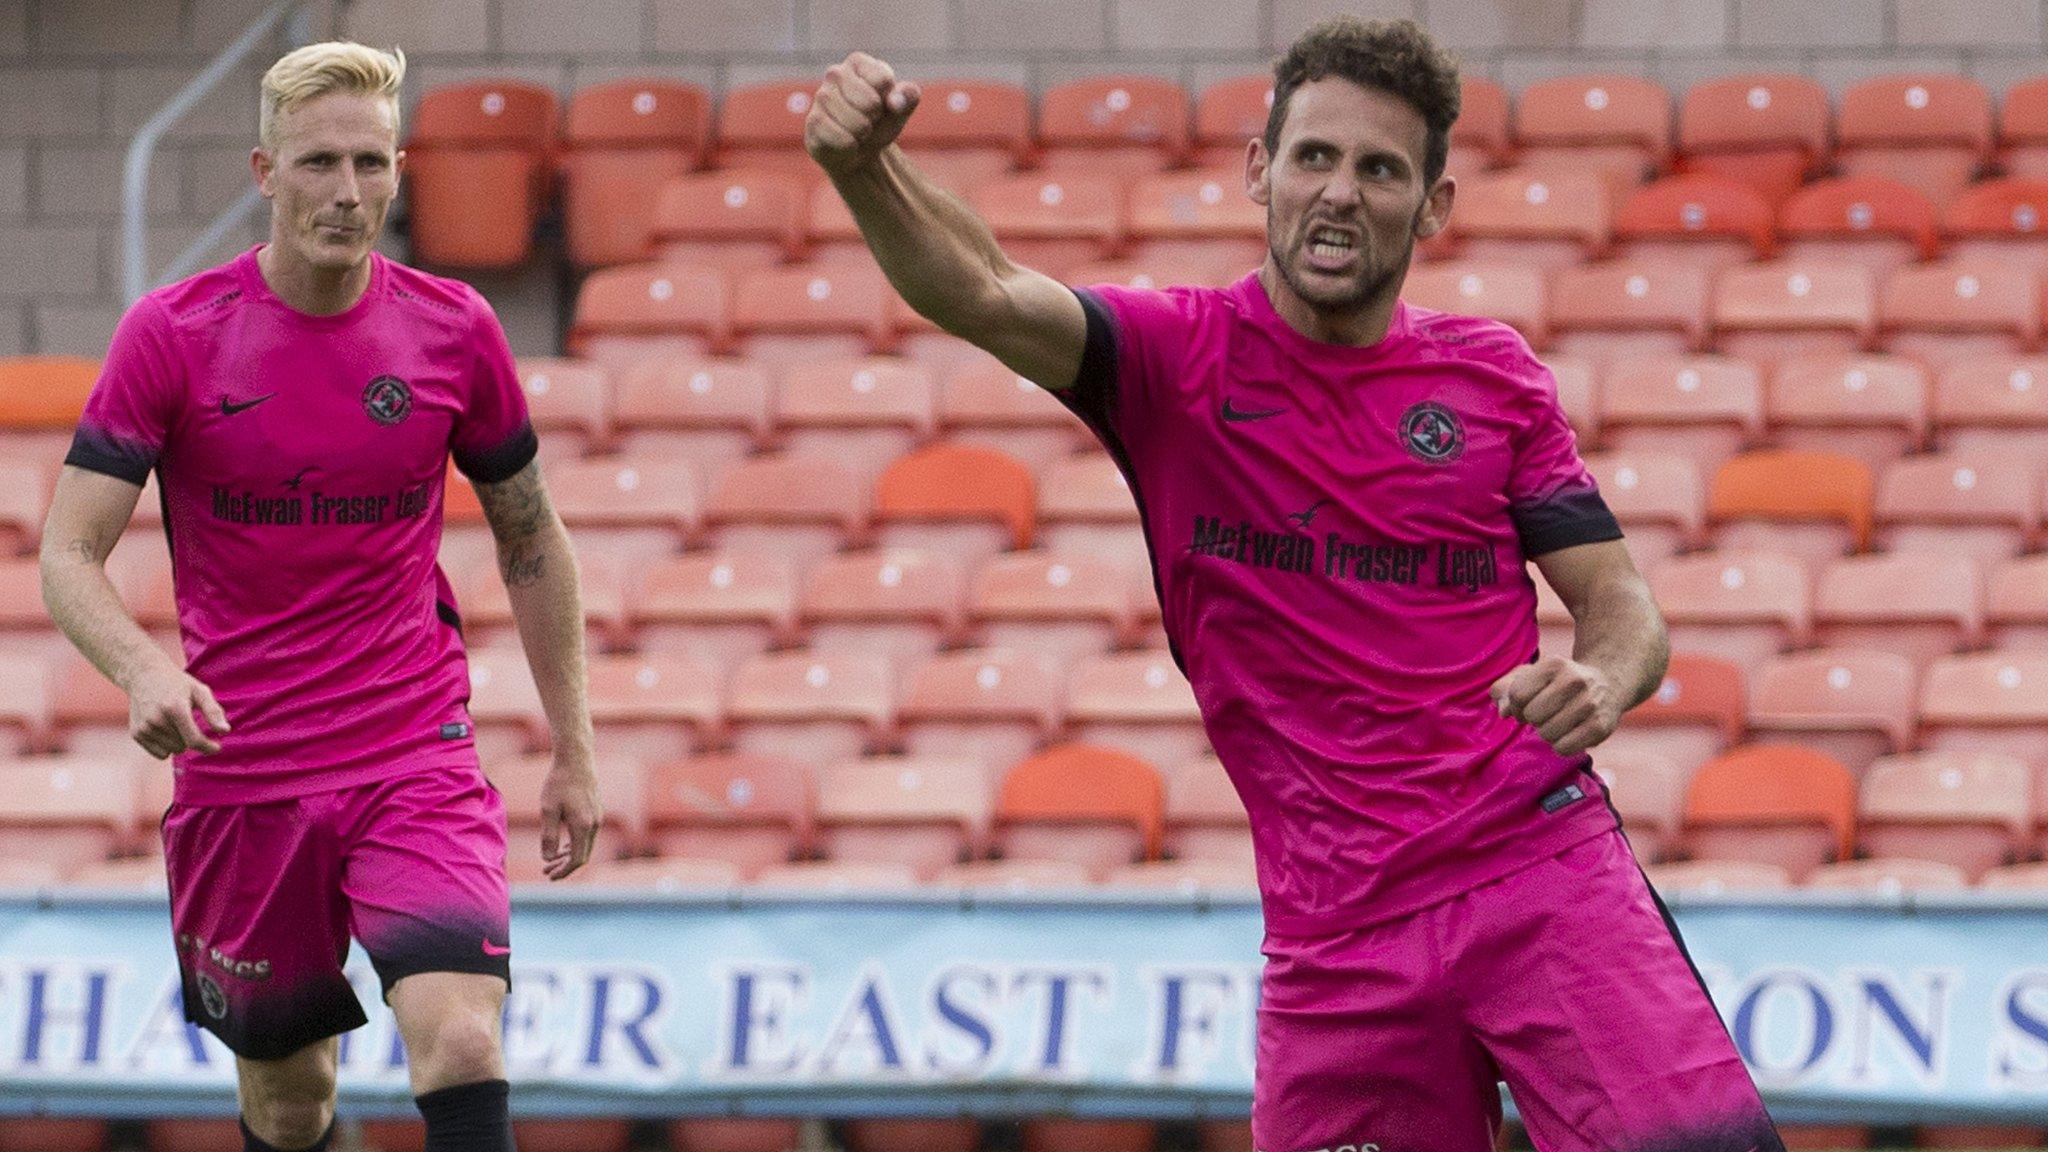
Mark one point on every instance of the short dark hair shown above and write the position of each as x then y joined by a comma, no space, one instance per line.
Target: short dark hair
1394,56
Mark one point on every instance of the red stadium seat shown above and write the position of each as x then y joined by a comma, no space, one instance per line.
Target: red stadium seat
709,412
52,1134
1811,505
67,811
625,140
659,874
733,221
841,877
1771,312
984,404
896,603
88,714
1983,504
1201,215
1085,505
721,1134
1888,877
568,401
1629,308
1096,806
1054,221
1870,221
719,607
41,399
2015,606
786,316
1853,705
1949,312
1917,605
1578,395
1740,607
1697,711
2001,220
800,507
747,811
1773,804
1702,408
997,705
476,172
129,874
1205,817
1705,222
25,631
1548,219
197,1135
1230,113
862,413
1615,125
630,507
2023,136
1511,293
578,1135
1658,500
921,812
811,707
1928,130
1714,877
636,312
1993,403
653,708
1767,130
968,130
1648,794
1095,1135
504,706
1873,408
1014,876
1232,874
1991,702
1137,702
762,126
972,500
912,1135
1480,137
1969,811
1055,605
1113,124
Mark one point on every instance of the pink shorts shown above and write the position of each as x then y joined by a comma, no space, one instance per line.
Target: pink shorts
264,898
1566,980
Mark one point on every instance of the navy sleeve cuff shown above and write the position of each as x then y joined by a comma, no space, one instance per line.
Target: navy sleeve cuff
503,461
1566,520
96,451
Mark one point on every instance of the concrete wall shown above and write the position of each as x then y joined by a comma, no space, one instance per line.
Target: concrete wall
77,77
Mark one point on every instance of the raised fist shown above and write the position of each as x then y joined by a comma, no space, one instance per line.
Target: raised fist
857,113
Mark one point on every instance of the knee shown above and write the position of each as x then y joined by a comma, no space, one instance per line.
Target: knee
293,1116
462,1049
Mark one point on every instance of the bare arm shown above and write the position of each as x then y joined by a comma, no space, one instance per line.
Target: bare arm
539,569
937,253
87,515
1619,650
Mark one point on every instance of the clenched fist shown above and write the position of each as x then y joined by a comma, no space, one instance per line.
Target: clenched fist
1572,706
857,113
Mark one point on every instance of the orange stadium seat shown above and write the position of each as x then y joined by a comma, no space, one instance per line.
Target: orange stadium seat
966,131
1200,215
128,874
1230,113
1138,702
762,126
747,811
1113,124
900,604
972,500
730,1134
1874,408
629,507
1918,605
519,781
1928,130
862,413
1701,221
1888,877
1853,705
1549,218
983,403
1696,711
1658,500
1616,125
637,312
19,875
504,706
1096,806
1702,408
733,221
1994,403
787,316
568,401
1988,702
1511,293
831,234
651,708
811,707
1943,313
1648,794
1185,270
916,338
485,604
802,508
2015,606
1969,811
573,1135
2002,220
1480,137
1054,221
1714,877
476,172
88,713
1871,221
25,630
1813,505
41,399
624,140
25,487
709,412
719,607
1740,607
1984,504
67,810
1058,606
1770,312
1629,308
1205,817
1774,804
923,812
2023,128
1767,130
996,705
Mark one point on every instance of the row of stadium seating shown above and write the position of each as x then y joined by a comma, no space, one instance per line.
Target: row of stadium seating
485,155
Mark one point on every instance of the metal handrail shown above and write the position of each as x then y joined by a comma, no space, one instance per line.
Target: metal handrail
135,274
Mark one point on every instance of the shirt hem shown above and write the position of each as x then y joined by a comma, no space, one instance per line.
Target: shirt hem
228,789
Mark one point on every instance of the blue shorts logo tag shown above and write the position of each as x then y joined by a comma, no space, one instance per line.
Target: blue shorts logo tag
454,731
1569,794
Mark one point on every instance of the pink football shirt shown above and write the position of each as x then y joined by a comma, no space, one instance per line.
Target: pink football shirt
302,461
1338,537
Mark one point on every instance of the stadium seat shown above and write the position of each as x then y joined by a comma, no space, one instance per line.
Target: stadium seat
1989,702
1514,294
1546,219
997,705
1615,125
1929,131
1555,628
1203,215
1993,402
1095,806
1054,221
624,140
1578,394
22,874
832,235
2001,220
1481,136
1697,710
634,312
2015,878
52,1134
747,811
1972,811
1767,130
786,316
1233,875
811,707
1205,817
968,130
719,607
922,812
1013,876
1812,505
733,221
839,877
1230,113
1064,1135
25,630
67,811
800,507
899,604
1648,794
1714,877
1744,607
1702,408
568,402
88,714
2015,607
41,399
1769,312
1085,505
1703,222
1853,705
663,874
1058,606
1773,804
504,706
1917,605
129,874
1870,221
25,487
761,126
1887,877
862,413
1136,702
964,498
1981,504
709,412
390,1136
1628,308
653,708
724,1134
476,173
1874,408
912,1135
194,1134
1188,270
637,507
1944,313
2023,136
1114,125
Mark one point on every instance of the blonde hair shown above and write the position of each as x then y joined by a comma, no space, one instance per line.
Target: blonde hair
318,69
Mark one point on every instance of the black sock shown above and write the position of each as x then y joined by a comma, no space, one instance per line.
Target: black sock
468,1117
251,1143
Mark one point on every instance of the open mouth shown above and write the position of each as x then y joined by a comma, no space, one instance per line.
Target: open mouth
1331,248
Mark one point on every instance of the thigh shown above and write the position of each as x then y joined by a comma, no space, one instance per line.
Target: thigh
425,876
1360,1049
1583,994
260,925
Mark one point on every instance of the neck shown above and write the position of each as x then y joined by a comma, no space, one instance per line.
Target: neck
1360,326
314,291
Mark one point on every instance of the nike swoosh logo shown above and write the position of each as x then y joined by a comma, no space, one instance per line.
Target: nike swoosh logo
491,949
229,407
1239,415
